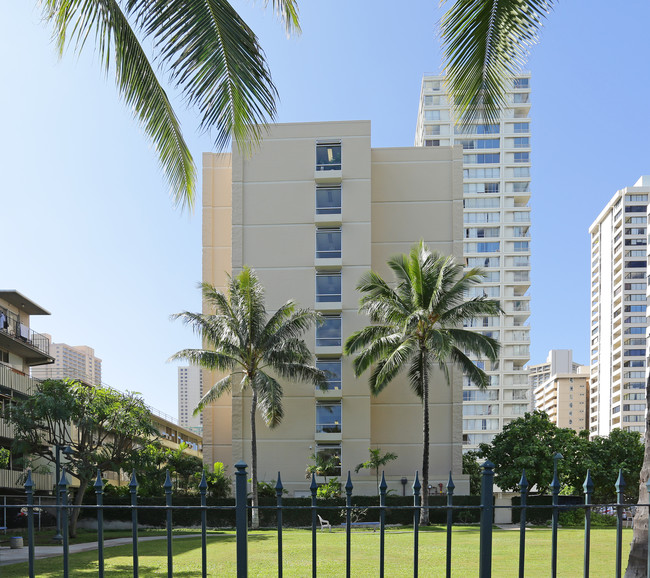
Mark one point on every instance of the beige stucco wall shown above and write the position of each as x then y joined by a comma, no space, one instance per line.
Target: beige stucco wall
391,198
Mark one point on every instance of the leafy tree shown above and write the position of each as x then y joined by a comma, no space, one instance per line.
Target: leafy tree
243,341
375,462
529,443
219,483
205,48
5,454
485,42
331,489
182,465
472,468
100,425
418,324
324,465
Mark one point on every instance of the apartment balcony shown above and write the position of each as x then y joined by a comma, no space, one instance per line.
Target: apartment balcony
6,429
14,480
17,381
22,341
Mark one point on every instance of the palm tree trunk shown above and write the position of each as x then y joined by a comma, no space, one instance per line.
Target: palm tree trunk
255,514
424,512
638,560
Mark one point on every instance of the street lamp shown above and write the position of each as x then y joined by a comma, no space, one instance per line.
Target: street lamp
67,450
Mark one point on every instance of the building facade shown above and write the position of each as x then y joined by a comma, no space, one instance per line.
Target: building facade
311,211
561,389
21,348
496,194
71,361
618,312
190,392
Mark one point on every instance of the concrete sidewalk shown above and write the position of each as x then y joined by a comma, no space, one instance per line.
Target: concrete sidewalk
9,556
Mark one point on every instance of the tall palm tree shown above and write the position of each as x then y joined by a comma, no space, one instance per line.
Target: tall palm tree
417,324
485,42
207,51
241,339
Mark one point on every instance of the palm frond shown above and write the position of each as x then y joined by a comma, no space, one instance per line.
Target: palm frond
216,391
74,22
476,343
288,12
485,43
217,62
366,336
269,398
207,359
476,375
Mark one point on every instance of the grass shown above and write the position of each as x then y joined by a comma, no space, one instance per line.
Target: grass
262,554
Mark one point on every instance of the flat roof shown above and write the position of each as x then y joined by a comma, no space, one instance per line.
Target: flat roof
23,303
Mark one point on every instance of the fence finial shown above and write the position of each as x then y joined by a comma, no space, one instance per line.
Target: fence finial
99,483
313,486
133,484
348,485
450,484
417,486
383,486
588,486
523,482
279,488
203,484
620,483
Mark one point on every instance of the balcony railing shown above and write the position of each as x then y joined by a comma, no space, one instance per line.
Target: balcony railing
10,324
17,380
16,478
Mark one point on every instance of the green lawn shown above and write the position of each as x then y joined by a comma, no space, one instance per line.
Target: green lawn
262,553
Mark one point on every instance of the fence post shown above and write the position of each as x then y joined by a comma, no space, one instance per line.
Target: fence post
29,488
450,520
99,490
133,488
241,519
620,488
348,519
279,489
203,488
523,495
313,487
63,492
555,489
383,487
417,503
168,502
487,515
588,488
647,485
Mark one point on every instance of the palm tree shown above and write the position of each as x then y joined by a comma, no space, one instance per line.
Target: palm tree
485,43
418,324
241,339
207,51
376,461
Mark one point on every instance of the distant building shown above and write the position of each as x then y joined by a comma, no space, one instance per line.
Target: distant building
561,389
496,231
619,266
190,392
21,348
71,361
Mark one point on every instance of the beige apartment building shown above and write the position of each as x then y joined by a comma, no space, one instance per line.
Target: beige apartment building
190,392
619,266
21,348
496,195
561,389
71,361
314,208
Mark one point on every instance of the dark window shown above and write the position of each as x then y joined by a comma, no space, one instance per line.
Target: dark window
328,201
328,287
328,243
332,369
328,156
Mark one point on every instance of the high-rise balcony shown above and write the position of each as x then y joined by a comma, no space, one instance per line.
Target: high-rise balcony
17,381
19,339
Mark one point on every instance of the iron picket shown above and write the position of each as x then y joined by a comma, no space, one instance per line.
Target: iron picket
383,487
29,488
487,516
450,519
348,525
620,488
312,488
555,490
168,502
203,488
523,492
133,489
63,492
648,548
278,496
99,490
417,504
588,488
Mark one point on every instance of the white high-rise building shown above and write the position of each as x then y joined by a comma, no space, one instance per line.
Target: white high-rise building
190,392
618,312
71,361
496,192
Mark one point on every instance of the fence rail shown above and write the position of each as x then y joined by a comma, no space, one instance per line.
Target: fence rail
242,509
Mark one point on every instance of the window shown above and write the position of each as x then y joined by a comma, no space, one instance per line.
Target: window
481,233
431,143
431,85
521,261
328,287
480,424
522,127
328,156
521,171
431,115
479,188
328,334
637,198
522,157
481,173
483,262
522,142
638,352
478,395
488,143
520,83
431,100
328,243
482,159
521,246
521,216
328,417
477,129
482,247
520,97
484,291
636,264
332,369
483,203
330,454
635,309
520,231
432,129
481,409
328,200
635,209
481,217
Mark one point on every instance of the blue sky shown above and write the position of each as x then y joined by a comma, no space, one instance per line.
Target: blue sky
90,233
